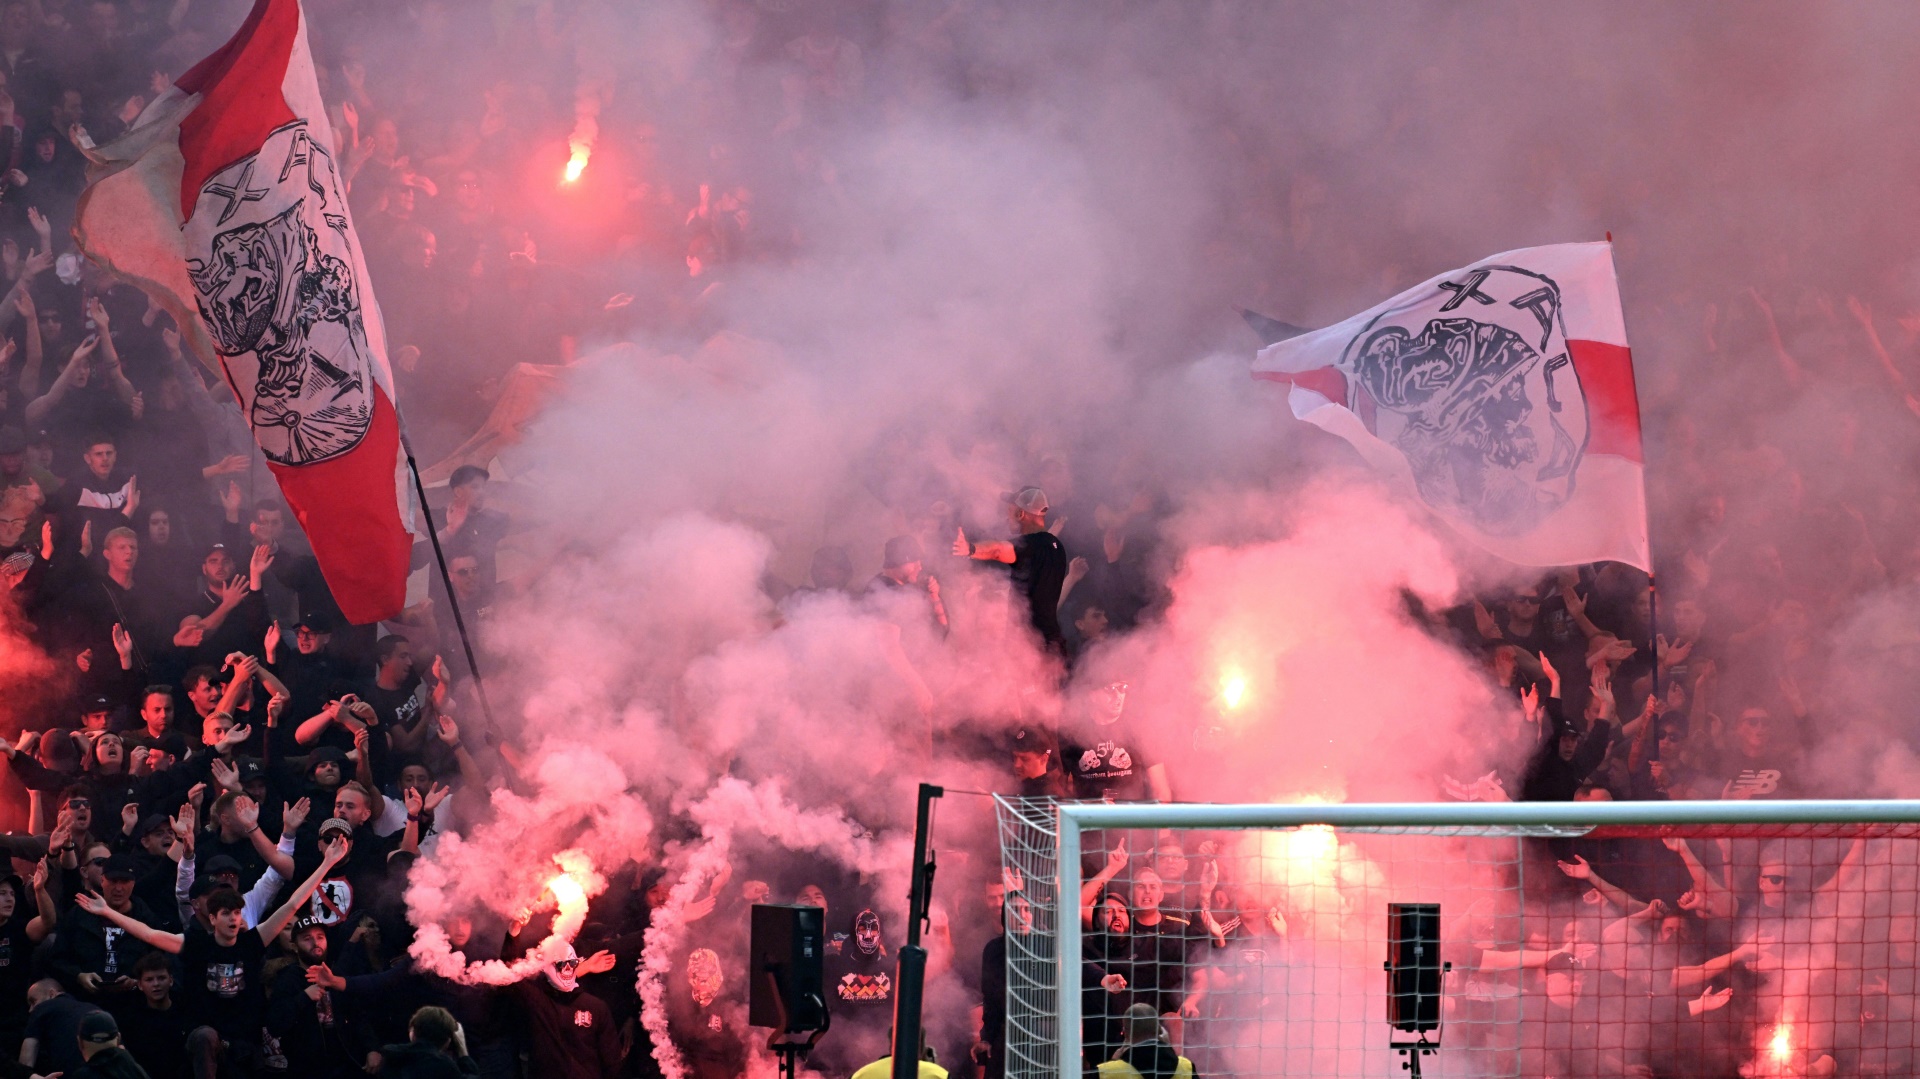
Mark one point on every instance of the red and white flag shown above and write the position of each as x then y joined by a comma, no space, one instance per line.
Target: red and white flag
225,204
1501,394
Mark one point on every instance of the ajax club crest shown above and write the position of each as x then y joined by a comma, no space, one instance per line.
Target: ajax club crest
1474,385
273,274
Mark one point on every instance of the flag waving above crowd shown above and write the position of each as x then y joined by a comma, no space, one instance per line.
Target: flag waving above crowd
1501,393
224,202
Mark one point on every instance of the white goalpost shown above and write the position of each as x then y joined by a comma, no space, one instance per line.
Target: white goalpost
1767,939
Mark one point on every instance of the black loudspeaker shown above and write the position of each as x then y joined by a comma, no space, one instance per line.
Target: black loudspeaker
787,955
1413,966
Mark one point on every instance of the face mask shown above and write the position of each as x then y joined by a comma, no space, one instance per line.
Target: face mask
866,932
560,974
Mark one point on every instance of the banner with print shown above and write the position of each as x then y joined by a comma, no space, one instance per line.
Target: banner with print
1500,394
225,203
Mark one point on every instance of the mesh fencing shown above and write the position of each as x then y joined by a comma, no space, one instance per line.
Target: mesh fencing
1695,950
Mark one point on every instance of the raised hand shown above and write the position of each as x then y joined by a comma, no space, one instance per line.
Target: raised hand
237,736
598,963
336,851
1578,869
129,818
1114,983
1117,857
225,775
295,815
84,660
86,539
449,731
415,804
123,644
961,548
435,795
230,499
272,641
231,593
246,812
323,976
90,903
260,562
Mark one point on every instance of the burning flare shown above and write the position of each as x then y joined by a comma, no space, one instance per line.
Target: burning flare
570,890
577,164
1782,1044
1233,690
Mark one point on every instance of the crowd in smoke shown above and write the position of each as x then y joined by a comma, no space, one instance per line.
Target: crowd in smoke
824,398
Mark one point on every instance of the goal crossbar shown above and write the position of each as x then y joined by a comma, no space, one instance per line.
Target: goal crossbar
1515,818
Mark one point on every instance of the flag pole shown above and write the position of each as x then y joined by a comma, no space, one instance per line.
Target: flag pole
1653,589
453,601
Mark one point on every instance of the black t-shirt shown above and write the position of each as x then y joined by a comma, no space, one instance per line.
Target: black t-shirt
1105,761
16,967
224,988
396,707
1040,572
55,1025
157,1039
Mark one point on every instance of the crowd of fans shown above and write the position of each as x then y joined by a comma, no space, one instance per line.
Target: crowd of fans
227,785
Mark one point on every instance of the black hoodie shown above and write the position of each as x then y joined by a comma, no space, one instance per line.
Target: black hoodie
418,1060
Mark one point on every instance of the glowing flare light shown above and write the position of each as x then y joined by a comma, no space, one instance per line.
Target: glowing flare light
577,164
1233,691
1782,1044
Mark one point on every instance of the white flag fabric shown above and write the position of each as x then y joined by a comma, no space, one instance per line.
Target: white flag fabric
1501,394
223,202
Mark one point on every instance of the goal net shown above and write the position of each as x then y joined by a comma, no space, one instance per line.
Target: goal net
1658,939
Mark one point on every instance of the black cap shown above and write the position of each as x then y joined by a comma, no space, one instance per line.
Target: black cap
151,823
95,703
218,864
205,886
1030,740
305,922
250,769
316,622
98,1028
122,867
326,755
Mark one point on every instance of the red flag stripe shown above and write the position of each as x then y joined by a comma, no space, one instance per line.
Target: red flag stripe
1613,405
235,117
1328,382
346,505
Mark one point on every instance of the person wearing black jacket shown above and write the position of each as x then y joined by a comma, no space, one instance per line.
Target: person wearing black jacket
100,1045
315,1025
1566,755
435,1049
93,957
570,1032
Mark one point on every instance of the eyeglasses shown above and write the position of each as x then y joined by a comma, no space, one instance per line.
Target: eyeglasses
566,965
79,803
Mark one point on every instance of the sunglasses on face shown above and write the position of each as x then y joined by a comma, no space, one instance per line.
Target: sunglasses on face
97,863
79,803
566,966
